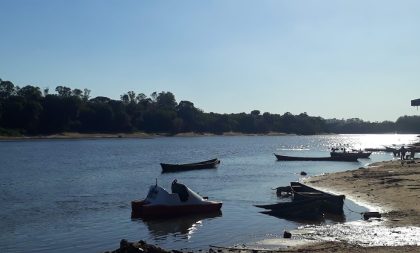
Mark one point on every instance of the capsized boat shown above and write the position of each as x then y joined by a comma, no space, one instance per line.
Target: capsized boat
159,203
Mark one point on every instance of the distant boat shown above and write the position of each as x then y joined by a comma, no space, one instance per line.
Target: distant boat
390,149
159,203
209,164
375,149
356,153
330,158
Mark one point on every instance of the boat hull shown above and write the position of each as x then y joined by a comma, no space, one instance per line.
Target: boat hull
306,209
330,202
141,209
351,154
210,164
297,158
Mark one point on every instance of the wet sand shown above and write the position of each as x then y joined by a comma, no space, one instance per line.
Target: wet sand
392,187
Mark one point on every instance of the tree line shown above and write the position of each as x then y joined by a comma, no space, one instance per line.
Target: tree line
29,110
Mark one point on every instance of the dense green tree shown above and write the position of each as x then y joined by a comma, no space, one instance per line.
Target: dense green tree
63,91
27,110
408,124
30,93
7,89
166,101
86,95
188,115
77,93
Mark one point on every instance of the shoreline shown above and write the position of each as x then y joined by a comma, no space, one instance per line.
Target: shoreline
391,187
138,135
143,135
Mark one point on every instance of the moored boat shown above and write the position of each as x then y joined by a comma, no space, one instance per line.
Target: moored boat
159,203
309,210
375,149
357,154
209,164
300,158
330,202
391,149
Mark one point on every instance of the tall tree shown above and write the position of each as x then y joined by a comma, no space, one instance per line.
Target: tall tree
63,91
7,89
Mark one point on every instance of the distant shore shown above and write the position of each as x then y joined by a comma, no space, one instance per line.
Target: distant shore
140,135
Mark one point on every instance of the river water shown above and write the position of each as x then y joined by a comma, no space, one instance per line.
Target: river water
74,195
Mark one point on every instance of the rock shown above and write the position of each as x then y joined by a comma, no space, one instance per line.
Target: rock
368,215
287,234
139,247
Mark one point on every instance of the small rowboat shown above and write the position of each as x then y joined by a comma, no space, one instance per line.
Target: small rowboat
305,210
300,158
209,164
159,203
331,203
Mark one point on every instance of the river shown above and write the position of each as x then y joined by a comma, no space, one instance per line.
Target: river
74,195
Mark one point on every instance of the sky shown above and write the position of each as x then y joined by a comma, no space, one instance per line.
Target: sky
334,59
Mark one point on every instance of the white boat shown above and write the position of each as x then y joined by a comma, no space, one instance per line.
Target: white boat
159,203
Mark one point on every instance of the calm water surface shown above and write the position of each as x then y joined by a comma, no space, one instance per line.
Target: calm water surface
67,195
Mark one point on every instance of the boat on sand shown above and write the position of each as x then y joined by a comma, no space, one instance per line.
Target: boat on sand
305,210
330,202
159,203
307,203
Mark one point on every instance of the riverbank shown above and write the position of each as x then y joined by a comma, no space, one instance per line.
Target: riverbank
139,135
391,187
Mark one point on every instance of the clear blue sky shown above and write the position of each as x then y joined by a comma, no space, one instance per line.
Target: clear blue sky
336,58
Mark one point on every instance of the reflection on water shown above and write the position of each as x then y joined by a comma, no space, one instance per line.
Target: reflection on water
372,233
182,227
351,211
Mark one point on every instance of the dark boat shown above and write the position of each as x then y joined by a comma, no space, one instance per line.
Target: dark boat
375,149
299,158
391,149
304,210
289,204
190,166
330,202
357,154
308,203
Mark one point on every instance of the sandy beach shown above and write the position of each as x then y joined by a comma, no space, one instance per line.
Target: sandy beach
391,187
